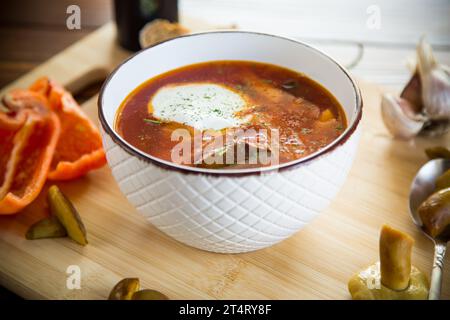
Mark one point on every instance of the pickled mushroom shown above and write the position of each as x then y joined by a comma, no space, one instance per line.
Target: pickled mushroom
124,289
128,289
443,181
395,258
366,285
393,278
148,294
437,152
435,214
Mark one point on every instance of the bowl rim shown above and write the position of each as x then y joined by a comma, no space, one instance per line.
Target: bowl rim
133,151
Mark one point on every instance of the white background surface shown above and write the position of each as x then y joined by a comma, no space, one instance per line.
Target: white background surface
337,27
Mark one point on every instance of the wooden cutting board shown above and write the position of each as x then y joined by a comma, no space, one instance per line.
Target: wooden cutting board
313,264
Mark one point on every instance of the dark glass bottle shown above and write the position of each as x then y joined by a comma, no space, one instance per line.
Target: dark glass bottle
132,15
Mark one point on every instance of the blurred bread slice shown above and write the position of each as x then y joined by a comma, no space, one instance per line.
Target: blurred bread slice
159,30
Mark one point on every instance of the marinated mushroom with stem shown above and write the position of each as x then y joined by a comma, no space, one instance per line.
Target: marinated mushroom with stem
393,277
148,294
129,289
124,289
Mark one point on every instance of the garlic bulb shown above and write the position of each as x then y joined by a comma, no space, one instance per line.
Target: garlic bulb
435,81
399,117
424,104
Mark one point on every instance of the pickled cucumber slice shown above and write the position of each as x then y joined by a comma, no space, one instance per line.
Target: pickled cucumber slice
63,209
46,228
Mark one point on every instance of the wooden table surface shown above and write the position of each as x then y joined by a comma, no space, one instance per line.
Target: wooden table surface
29,37
32,35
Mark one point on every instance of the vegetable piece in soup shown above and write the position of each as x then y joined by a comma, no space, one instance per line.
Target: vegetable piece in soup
230,114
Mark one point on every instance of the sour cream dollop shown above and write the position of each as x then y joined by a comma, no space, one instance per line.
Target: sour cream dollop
200,105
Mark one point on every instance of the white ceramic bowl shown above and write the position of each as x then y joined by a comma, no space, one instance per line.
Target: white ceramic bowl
229,210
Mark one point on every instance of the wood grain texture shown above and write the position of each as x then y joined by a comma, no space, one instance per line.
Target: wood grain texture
313,264
33,31
53,13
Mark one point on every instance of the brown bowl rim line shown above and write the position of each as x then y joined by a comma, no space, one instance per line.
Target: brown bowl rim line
214,172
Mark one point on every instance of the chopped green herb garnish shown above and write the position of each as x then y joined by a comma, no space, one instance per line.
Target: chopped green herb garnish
339,127
290,84
306,130
152,121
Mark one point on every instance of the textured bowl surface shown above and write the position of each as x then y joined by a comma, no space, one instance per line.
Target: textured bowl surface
225,210
230,214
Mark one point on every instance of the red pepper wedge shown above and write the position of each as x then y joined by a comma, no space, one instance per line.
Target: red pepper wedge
30,132
79,148
8,148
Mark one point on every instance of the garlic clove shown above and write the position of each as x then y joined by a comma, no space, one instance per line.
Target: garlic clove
412,92
435,80
400,118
